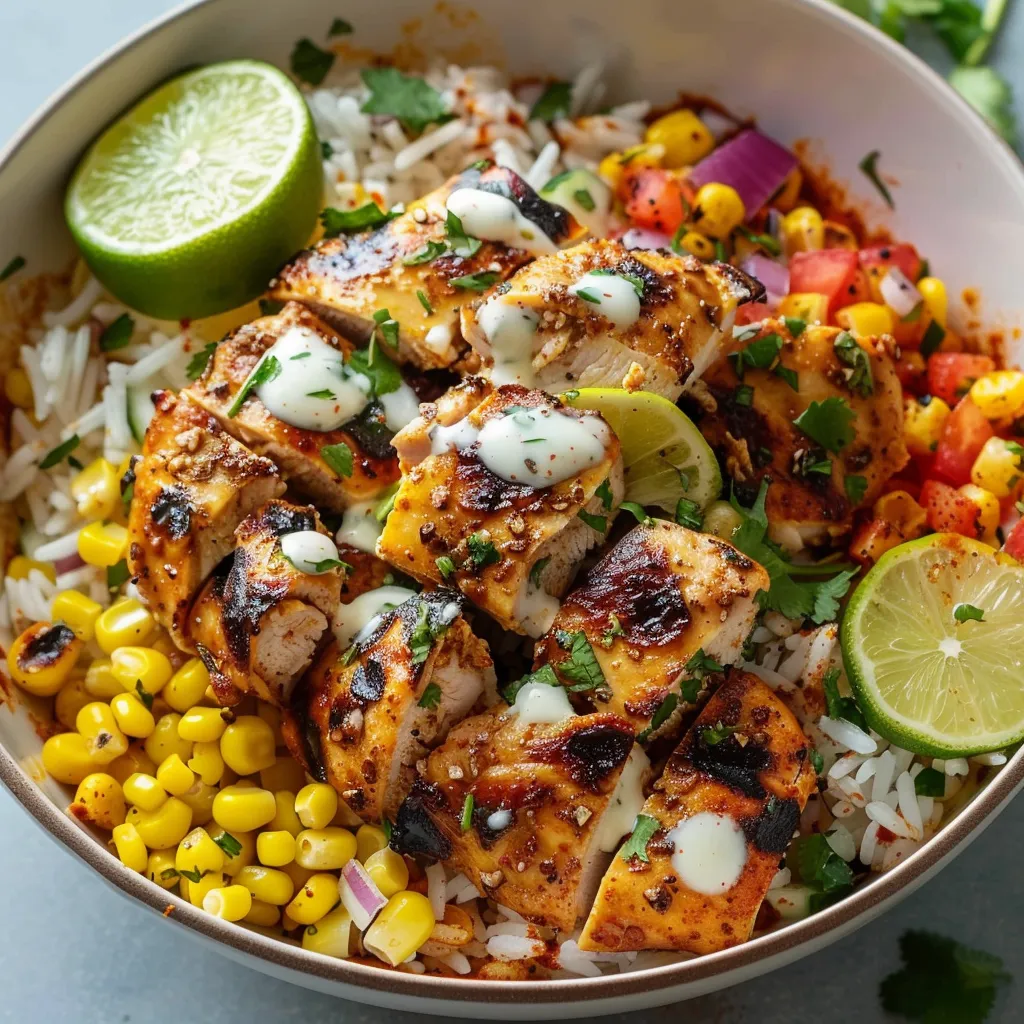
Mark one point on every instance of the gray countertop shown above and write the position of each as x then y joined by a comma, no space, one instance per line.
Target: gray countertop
72,950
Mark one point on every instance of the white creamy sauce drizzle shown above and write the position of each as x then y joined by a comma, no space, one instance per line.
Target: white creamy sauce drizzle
536,608
617,299
496,218
359,527
710,852
401,407
305,549
499,820
359,618
439,337
511,331
541,704
626,801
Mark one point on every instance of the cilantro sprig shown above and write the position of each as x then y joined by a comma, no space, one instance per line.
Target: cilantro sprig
643,832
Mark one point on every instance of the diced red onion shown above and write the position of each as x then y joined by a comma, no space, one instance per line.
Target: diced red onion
774,276
899,292
68,564
642,238
751,163
359,895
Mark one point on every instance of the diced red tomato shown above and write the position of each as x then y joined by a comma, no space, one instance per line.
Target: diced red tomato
751,313
904,483
829,272
949,511
963,436
951,374
653,199
1015,542
902,255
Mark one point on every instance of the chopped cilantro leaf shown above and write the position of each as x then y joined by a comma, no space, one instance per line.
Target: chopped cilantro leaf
309,63
266,370
869,167
830,423
963,612
344,222
340,27
198,363
431,697
933,336
537,570
116,575
445,566
466,821
930,782
712,735
193,876
423,635
604,492
545,674
585,199
639,512
614,629
857,363
743,395
688,514
117,334
856,487
599,523
229,844
12,268
554,102
795,325
57,455
581,666
820,866
817,761
387,325
837,706
323,393
145,697
430,252
424,302
661,715
589,295
481,551
338,457
636,845
476,282
375,365
409,98
463,244
760,354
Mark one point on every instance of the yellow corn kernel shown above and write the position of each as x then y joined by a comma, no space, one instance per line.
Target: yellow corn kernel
324,849
99,800
314,899
263,915
134,759
164,740
789,194
272,716
284,773
287,924
988,510
331,935
124,622
42,657
174,775
166,826
297,873
132,716
72,698
130,847
721,519
19,567
199,796
140,665
923,424
285,819
198,853
232,903
369,839
999,394
201,725
718,209
401,928
803,230
276,848
698,245
611,169
160,869
144,792
865,319
67,758
187,686
684,137
936,304
316,804
97,490
103,544
997,467
243,808
101,682
901,510
810,307
199,890
206,762
269,885
839,236
77,611
18,388
247,745
239,848
97,724
388,870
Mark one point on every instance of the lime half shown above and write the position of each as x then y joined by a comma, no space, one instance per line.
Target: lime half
188,205
665,456
929,675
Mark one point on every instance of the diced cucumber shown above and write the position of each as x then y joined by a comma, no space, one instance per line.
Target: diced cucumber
140,411
584,195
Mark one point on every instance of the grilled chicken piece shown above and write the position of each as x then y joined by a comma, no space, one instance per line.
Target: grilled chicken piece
661,598
192,486
366,573
296,450
514,541
259,620
575,319
366,714
725,810
758,440
348,279
526,805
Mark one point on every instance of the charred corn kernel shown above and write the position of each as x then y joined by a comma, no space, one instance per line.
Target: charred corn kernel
19,567
988,510
789,194
77,611
103,544
284,773
239,848
275,848
997,467
166,826
160,869
164,740
933,293
198,853
144,792
96,490
199,890
285,819
206,762
331,935
923,424
67,758
808,306
132,716
272,716
698,245
721,519
130,848
324,849
314,899
135,759
901,510
263,915
269,885
232,903
199,796
174,775
243,808
865,319
124,622
401,928
316,804
72,698
803,230
100,680
42,657
187,687
388,870
247,745
684,137
18,388
369,839
202,725
999,394
718,209
140,665
97,724
839,236
99,800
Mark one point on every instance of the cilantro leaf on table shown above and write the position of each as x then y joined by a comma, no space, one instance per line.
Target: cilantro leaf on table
409,98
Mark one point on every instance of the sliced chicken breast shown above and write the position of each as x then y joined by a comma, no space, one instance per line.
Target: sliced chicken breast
193,485
259,620
601,315
712,835
502,495
643,629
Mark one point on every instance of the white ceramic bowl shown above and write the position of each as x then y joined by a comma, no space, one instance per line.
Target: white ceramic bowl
806,70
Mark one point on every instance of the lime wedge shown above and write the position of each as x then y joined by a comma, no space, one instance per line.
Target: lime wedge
926,680
188,205
665,456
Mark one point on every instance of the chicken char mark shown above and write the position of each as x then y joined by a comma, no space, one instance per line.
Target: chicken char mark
359,256
480,490
772,830
172,510
279,519
414,831
589,754
245,601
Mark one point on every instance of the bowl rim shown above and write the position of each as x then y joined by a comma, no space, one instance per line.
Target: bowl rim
796,939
